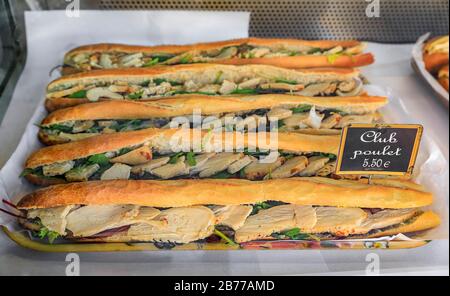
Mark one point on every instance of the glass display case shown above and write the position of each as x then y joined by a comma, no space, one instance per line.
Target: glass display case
34,38
11,55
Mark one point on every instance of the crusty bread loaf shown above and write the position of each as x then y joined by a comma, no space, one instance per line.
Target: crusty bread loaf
206,73
294,142
180,193
176,49
186,104
140,75
302,61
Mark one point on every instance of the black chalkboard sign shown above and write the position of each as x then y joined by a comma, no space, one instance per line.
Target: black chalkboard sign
378,149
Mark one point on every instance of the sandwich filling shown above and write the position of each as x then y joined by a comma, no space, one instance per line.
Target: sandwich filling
144,163
270,220
304,118
217,80
87,61
439,45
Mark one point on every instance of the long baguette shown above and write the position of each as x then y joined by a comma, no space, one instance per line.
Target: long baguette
184,193
289,53
156,83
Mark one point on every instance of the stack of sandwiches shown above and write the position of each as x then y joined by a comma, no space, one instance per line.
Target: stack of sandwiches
227,143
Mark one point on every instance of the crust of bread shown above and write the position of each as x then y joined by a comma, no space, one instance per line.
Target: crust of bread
400,183
54,104
69,70
424,221
176,49
142,74
294,142
301,62
182,193
433,62
47,140
186,104
37,180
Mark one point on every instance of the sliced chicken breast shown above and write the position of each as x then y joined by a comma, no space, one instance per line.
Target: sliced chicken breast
89,220
53,219
180,225
232,216
267,222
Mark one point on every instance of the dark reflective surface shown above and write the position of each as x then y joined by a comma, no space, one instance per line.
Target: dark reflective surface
10,55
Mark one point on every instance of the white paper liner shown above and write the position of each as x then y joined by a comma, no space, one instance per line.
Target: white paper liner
417,54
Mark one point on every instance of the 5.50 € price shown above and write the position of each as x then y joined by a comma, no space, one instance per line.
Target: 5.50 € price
375,163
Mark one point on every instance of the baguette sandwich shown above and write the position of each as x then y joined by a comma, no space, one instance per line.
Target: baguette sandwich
285,112
208,79
436,53
169,213
184,153
286,53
